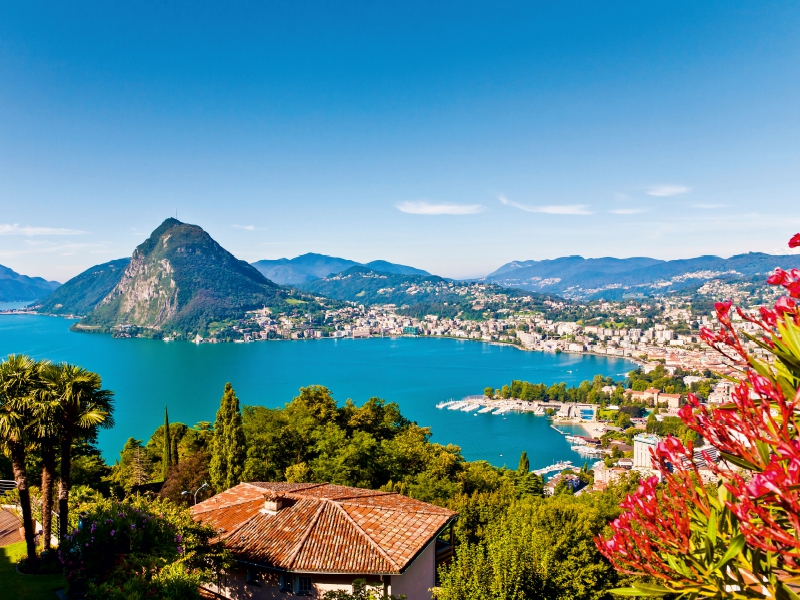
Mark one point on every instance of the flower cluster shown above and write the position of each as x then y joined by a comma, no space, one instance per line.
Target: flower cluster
657,520
743,538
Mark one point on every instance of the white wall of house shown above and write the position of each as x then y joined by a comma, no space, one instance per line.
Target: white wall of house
418,578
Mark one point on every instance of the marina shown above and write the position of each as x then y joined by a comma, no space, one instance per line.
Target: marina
583,415
484,404
556,467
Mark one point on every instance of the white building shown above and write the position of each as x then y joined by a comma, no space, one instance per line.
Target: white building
642,445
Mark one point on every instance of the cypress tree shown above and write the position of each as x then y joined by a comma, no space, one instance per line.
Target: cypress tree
166,455
524,464
174,456
229,452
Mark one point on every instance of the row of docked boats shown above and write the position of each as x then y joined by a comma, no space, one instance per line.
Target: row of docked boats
473,406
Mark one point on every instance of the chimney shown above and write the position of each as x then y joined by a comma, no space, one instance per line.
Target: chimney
273,503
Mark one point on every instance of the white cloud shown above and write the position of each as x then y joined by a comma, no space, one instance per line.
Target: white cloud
550,209
15,229
427,208
709,205
668,190
247,227
627,211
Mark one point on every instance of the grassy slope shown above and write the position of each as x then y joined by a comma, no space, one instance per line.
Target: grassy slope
25,587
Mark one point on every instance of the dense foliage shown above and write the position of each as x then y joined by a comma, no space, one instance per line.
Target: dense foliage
535,547
227,458
586,391
45,409
137,548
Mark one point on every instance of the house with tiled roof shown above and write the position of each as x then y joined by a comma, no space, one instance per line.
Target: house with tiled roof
309,538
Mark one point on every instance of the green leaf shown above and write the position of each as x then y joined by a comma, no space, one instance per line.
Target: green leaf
739,462
737,543
625,592
641,590
711,534
652,589
783,592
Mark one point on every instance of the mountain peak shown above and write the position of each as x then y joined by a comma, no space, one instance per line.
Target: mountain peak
181,279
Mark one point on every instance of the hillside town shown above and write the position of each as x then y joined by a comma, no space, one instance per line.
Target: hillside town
656,331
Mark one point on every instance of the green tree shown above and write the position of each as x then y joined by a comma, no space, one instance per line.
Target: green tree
541,548
652,422
489,392
135,466
84,407
229,452
524,464
45,426
18,375
166,454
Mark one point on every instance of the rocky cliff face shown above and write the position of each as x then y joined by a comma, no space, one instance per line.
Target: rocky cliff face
181,280
147,295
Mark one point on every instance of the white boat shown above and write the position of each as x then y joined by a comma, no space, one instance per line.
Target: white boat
486,409
588,450
469,407
456,405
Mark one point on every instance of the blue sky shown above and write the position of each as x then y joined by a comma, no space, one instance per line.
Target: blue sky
452,136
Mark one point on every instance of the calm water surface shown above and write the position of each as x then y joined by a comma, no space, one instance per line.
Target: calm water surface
416,373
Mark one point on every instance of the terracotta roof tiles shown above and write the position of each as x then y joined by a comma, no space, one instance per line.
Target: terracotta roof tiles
322,527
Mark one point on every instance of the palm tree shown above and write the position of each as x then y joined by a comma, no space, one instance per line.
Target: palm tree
18,378
46,409
83,407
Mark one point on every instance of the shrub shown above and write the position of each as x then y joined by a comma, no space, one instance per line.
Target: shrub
137,548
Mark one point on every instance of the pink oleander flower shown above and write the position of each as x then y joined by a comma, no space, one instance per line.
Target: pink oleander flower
795,241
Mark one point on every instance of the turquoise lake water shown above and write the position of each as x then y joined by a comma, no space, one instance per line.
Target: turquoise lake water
416,373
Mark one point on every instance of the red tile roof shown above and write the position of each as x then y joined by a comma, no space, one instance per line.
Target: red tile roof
9,527
323,528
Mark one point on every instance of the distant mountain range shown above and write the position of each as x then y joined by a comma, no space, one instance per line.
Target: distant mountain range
310,266
179,279
416,295
21,288
615,278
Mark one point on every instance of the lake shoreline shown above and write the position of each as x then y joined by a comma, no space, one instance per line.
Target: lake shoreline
148,374
638,362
